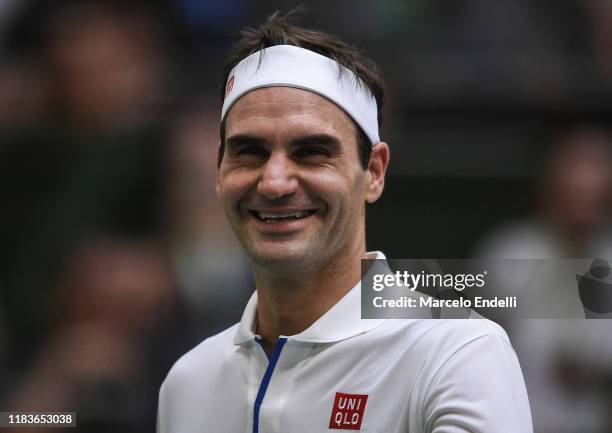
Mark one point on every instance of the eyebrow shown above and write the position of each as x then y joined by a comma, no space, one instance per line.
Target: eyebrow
325,140
240,140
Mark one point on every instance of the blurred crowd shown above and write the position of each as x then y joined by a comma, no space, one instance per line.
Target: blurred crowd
117,257
566,362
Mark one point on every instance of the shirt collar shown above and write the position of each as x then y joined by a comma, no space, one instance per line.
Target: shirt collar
340,322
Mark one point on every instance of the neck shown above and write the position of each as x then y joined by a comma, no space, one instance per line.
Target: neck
289,304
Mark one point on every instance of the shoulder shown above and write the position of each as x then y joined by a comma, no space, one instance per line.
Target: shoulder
207,356
462,372
445,336
467,339
433,346
470,373
463,331
193,388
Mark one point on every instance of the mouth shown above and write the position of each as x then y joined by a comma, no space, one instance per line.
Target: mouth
279,217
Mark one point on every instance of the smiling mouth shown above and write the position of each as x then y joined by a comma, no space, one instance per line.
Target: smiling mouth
275,217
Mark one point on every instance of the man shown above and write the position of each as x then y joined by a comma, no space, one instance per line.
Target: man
299,158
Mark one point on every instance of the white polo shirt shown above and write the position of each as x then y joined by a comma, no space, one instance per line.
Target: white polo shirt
347,373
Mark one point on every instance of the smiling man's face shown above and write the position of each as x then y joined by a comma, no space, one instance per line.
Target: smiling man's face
290,180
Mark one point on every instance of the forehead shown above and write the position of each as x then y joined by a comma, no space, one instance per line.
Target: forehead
279,107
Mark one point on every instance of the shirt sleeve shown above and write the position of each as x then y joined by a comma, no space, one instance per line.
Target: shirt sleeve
478,389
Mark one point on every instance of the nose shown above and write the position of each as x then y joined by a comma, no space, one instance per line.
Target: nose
278,177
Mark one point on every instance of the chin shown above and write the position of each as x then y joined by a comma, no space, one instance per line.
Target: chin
280,255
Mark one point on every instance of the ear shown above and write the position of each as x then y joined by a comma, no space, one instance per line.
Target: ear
219,160
377,168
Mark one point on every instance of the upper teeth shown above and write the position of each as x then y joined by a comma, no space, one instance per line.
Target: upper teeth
265,215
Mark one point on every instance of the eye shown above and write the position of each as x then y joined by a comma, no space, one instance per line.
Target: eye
306,151
252,150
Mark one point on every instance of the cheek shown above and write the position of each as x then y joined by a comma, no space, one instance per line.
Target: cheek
343,194
234,185
229,187
356,197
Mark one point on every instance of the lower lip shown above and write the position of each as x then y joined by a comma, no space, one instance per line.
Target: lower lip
284,225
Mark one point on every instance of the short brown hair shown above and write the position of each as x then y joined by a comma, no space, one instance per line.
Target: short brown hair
280,29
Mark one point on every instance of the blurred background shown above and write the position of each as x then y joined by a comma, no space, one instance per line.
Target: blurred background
117,258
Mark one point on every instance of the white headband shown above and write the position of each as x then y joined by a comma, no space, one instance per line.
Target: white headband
291,66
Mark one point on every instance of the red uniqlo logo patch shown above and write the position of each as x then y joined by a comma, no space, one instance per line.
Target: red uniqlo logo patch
347,413
230,85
